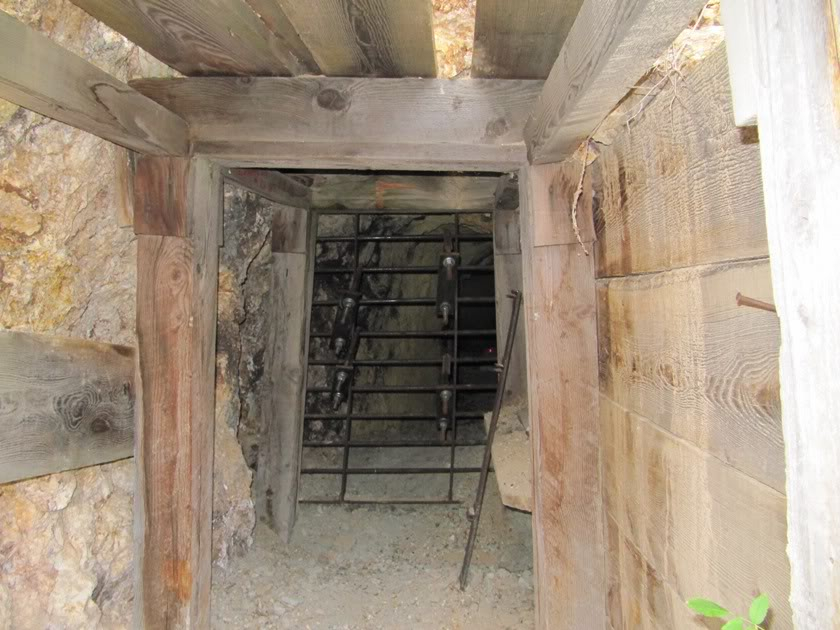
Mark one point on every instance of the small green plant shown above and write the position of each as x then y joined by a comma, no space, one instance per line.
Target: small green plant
758,613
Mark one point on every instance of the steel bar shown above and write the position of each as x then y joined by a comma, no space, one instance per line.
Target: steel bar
407,389
406,238
413,334
388,471
393,444
491,433
398,270
382,502
404,362
466,301
456,323
390,416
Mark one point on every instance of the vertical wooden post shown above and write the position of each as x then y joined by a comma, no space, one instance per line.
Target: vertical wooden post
177,217
798,55
278,460
562,360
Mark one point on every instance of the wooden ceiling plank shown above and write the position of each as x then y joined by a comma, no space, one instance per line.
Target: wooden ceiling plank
38,74
611,45
520,40
381,38
301,60
310,122
223,37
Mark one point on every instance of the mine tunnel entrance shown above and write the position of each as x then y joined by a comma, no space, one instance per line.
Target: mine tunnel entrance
401,358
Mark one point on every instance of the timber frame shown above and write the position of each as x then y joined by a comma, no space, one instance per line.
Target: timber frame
187,139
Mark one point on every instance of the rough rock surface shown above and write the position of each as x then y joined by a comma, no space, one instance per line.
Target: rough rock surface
67,267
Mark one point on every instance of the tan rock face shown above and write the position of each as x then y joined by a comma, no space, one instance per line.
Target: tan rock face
67,268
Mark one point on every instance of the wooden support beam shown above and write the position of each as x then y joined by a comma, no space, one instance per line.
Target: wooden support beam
223,37
367,37
278,460
177,279
64,404
611,45
520,40
403,192
562,361
798,55
272,185
321,122
40,75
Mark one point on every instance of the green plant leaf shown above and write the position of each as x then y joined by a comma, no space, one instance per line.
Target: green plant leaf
758,609
707,608
734,624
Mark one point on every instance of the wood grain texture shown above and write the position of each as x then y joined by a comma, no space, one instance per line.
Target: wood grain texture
353,123
403,192
552,210
506,238
278,459
705,528
676,349
64,404
683,186
799,121
520,40
612,43
272,185
299,59
560,311
40,75
222,37
289,231
377,38
161,203
176,327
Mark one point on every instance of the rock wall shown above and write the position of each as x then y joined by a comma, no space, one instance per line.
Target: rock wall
67,267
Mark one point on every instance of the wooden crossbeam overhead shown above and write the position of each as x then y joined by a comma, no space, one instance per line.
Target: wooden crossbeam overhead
319,122
382,38
66,403
223,37
40,75
272,185
520,40
611,45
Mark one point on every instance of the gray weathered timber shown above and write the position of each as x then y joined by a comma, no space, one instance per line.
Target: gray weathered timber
611,45
520,40
798,53
40,75
323,122
223,37
382,38
64,404
272,185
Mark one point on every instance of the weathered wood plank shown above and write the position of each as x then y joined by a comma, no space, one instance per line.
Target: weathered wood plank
552,216
321,122
300,59
562,366
403,192
272,185
612,43
683,187
160,200
676,349
381,38
520,40
224,37
64,404
40,75
707,529
278,460
176,328
799,121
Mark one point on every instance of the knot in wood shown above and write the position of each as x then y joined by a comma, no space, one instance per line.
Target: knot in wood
332,100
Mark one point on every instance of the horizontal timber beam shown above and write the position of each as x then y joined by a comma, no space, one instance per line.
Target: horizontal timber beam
611,45
272,185
40,75
322,122
64,404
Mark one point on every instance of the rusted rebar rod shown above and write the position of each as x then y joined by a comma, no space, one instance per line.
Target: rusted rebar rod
743,300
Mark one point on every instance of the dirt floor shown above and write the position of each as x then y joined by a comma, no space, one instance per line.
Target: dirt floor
365,567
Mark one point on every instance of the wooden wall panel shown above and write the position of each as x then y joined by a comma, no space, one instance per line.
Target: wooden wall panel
683,186
520,40
676,349
707,529
377,38
64,404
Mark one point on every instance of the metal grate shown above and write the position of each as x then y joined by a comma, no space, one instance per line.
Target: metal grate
436,343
